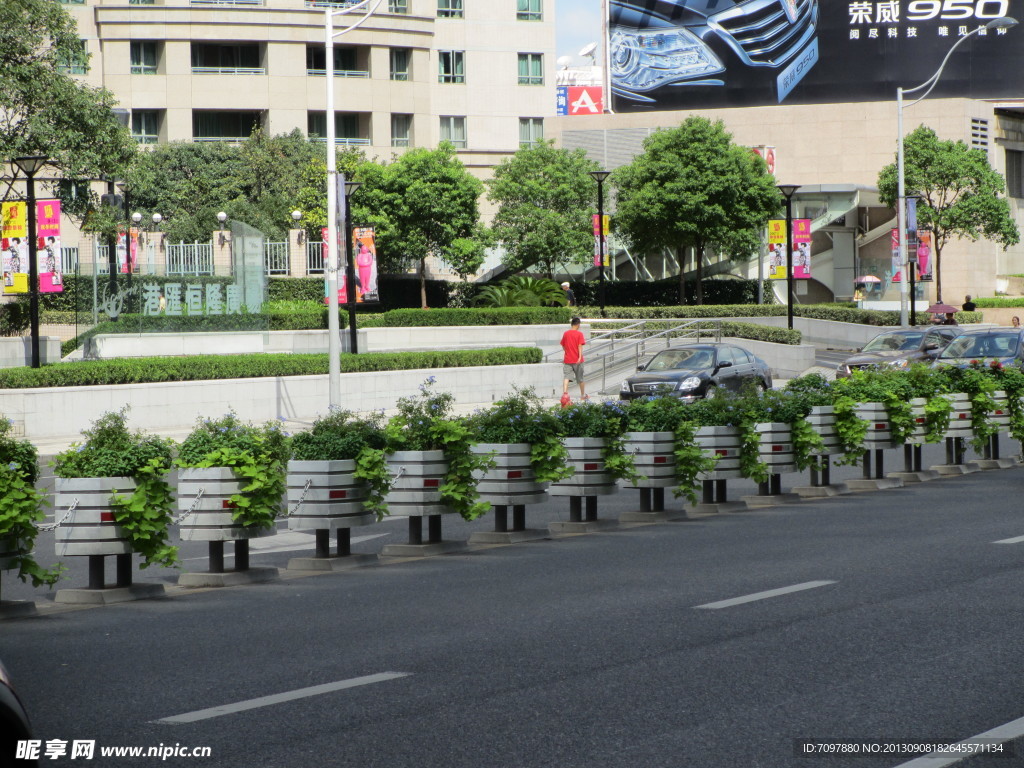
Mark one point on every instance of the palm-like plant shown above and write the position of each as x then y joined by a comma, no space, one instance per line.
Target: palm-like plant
523,291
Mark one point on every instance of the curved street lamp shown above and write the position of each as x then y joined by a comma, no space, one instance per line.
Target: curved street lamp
901,195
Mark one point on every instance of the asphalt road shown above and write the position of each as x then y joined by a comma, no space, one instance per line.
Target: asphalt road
891,616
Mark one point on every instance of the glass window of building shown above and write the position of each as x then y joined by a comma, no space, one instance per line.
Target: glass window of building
449,9
531,69
1014,173
215,125
451,67
531,131
400,63
76,63
398,6
453,130
346,127
146,125
226,59
144,55
401,130
529,10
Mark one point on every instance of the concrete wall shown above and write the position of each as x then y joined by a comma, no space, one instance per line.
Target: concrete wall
16,352
56,412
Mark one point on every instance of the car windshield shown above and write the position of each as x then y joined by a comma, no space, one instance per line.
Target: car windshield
890,342
982,345
687,359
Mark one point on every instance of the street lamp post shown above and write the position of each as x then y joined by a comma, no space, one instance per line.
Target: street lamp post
350,271
599,177
788,191
30,167
901,194
366,9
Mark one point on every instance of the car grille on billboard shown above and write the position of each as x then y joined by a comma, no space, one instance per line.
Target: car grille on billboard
761,33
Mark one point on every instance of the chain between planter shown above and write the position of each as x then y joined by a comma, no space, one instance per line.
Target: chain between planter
180,518
302,498
59,523
395,477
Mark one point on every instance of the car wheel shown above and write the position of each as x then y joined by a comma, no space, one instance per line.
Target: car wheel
762,385
711,391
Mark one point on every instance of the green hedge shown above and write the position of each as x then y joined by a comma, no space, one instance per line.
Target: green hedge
1000,301
14,317
211,367
737,330
496,316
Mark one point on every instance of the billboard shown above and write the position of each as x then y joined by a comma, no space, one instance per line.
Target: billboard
684,54
777,254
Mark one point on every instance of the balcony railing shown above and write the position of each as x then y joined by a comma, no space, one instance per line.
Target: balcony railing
229,70
340,72
351,141
226,2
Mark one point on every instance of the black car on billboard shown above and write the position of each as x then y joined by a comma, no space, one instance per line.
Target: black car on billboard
696,371
662,46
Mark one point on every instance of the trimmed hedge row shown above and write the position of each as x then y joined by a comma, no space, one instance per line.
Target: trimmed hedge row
1000,301
496,316
209,367
835,312
729,328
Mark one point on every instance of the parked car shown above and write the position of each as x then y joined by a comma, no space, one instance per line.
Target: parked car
14,725
900,349
985,345
696,371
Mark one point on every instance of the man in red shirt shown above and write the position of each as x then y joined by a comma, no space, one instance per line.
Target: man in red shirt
572,361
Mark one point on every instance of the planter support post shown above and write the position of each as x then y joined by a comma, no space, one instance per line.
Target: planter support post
645,499
124,570
323,542
433,529
776,484
96,572
720,492
879,463
709,492
216,557
591,508
415,530
575,509
908,457
501,518
344,542
519,517
867,465
242,555
658,499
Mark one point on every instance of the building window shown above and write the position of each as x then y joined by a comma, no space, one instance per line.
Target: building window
453,130
451,67
346,127
531,69
979,134
528,10
72,2
226,59
399,63
531,131
348,61
210,125
398,6
146,125
401,130
77,63
1014,173
144,57
449,9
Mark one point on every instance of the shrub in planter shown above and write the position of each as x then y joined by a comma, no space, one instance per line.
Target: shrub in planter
112,450
888,388
343,436
1010,379
425,423
255,454
21,508
669,414
605,421
975,380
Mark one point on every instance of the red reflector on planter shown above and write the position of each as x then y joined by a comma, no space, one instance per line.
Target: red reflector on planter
776,449
963,416
591,467
515,474
106,517
920,420
227,504
431,482
721,452
338,495
998,412
881,425
661,459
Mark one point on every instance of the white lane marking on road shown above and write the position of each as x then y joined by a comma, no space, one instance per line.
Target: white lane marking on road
309,542
279,698
765,595
1014,540
1011,730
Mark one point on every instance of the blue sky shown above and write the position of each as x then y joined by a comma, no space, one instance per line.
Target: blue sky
577,22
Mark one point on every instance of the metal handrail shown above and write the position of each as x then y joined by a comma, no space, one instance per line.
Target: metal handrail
629,343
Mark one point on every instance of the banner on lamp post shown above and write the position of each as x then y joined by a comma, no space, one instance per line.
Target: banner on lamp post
364,245
777,249
48,261
601,239
15,247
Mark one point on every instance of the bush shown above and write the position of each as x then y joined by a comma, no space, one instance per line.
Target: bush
210,367
494,316
665,292
999,301
738,330
14,317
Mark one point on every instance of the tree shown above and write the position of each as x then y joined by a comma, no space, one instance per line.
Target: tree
44,110
960,193
422,203
693,188
545,197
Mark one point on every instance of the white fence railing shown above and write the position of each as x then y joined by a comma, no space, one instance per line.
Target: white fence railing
315,258
276,258
190,258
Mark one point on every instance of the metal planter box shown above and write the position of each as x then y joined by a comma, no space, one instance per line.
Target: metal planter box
822,419
511,481
325,495
654,456
879,434
960,416
776,447
723,443
90,530
211,518
590,477
416,491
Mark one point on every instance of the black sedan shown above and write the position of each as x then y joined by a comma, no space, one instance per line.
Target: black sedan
899,349
1005,345
696,371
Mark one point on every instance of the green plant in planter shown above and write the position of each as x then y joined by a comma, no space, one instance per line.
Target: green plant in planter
343,436
521,418
891,388
977,382
668,414
256,453
21,506
604,420
1010,379
425,423
112,450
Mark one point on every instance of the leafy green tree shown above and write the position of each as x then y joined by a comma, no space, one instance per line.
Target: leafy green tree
545,198
960,191
45,111
424,202
693,188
